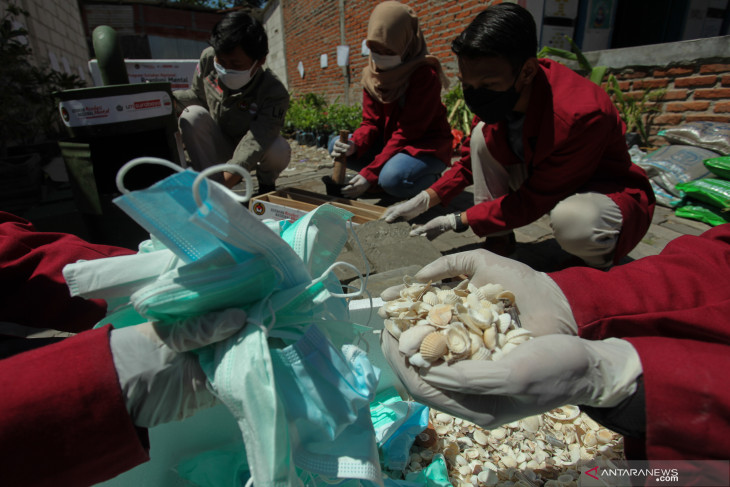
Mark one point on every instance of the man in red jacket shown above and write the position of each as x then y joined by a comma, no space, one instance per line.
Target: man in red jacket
77,412
644,348
544,139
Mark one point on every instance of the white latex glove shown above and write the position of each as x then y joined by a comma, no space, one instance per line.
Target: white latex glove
159,381
408,209
435,227
355,187
537,376
543,308
343,148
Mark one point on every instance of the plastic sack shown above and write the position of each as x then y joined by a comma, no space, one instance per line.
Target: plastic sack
704,213
719,166
715,192
713,136
674,164
663,197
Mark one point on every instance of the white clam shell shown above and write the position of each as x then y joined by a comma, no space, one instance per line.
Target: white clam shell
490,338
448,296
482,354
518,335
393,328
430,298
417,361
504,322
410,339
604,436
531,424
480,437
564,413
440,315
433,346
458,341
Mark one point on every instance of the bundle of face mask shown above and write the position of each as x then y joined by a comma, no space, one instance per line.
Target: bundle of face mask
300,401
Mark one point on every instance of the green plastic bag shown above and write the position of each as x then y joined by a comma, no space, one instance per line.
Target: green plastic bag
719,166
704,213
715,192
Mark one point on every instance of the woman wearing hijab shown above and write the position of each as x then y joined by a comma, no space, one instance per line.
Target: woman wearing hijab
404,141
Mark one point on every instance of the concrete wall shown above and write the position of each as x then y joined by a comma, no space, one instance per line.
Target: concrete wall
312,28
56,35
273,21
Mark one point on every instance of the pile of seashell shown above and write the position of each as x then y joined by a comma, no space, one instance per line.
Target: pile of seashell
464,322
549,450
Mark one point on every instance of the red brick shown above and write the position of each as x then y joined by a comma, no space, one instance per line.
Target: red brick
722,107
714,68
667,119
688,106
673,72
725,80
643,84
712,94
671,95
695,81
632,75
707,118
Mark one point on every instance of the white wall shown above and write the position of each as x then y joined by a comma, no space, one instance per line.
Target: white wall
274,25
56,34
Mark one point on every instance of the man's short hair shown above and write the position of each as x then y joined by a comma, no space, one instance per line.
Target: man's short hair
240,29
505,30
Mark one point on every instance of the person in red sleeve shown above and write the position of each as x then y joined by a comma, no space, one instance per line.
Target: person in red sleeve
77,412
543,140
643,348
404,141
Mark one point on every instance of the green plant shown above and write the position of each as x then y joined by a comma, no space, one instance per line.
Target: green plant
459,115
311,113
26,90
633,110
594,73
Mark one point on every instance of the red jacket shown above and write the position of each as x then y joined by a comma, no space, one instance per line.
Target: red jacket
416,124
574,142
34,292
62,416
674,308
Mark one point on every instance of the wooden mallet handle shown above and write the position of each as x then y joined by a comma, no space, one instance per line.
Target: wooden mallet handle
338,171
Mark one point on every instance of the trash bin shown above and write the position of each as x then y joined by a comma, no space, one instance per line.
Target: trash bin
107,127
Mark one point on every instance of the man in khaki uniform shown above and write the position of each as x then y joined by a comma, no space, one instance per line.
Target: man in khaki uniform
235,110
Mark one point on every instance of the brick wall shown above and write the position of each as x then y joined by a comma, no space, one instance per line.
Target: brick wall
697,91
312,28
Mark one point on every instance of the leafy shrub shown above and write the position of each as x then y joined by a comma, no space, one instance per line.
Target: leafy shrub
459,115
311,113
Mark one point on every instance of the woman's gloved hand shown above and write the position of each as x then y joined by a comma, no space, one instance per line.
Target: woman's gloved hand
543,308
436,226
408,209
355,187
343,148
160,382
535,377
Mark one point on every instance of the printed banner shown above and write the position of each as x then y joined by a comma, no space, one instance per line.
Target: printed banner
112,109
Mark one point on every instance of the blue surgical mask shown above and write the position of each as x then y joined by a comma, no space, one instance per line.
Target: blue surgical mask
326,393
164,209
240,373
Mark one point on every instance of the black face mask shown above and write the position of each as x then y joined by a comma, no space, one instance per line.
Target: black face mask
489,105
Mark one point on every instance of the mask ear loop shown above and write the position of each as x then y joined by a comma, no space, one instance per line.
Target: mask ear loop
138,161
221,168
364,281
